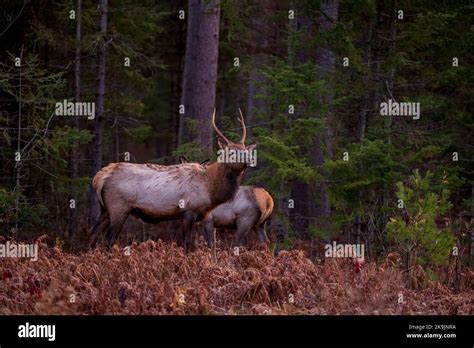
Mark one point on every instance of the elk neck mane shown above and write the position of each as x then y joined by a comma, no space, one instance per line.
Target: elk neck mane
223,181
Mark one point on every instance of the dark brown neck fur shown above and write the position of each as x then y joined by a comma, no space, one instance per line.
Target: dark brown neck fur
223,181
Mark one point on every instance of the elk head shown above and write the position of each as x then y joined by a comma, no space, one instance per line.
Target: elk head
235,154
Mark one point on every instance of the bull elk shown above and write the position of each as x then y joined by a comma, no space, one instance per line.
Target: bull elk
157,193
249,210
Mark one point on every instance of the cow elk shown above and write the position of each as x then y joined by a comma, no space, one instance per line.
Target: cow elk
248,211
157,193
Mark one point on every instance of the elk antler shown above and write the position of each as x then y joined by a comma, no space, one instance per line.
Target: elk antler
217,129
244,128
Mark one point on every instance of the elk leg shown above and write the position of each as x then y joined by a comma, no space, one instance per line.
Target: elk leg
210,234
98,229
262,234
116,223
93,234
188,222
208,226
214,251
243,228
194,239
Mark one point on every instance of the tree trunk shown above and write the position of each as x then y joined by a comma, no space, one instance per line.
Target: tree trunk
389,82
300,216
77,81
72,228
189,75
362,124
99,106
254,104
260,36
206,76
326,60
260,42
361,129
200,73
472,231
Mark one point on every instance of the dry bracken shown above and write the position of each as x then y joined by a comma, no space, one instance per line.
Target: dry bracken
158,278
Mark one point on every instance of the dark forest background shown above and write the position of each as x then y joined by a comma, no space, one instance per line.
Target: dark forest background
309,77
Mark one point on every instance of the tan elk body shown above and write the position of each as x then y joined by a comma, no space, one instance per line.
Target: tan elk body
156,193
249,210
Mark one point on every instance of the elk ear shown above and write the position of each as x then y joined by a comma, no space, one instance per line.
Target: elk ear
251,147
221,144
183,160
240,177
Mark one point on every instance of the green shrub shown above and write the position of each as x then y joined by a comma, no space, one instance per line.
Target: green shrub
415,229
